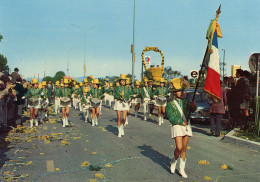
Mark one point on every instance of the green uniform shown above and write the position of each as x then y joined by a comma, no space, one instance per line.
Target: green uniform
33,93
160,91
174,114
123,91
149,91
56,91
95,93
137,92
110,91
65,92
46,93
79,92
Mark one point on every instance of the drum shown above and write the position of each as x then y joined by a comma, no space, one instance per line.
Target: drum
161,98
44,104
33,101
64,100
95,101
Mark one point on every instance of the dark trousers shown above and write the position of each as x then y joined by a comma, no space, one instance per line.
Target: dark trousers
18,113
215,118
236,115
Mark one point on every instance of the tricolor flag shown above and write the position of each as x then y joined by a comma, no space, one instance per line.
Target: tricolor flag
147,60
212,84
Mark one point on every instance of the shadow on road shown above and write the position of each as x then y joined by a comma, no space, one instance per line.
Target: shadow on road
197,130
112,129
155,156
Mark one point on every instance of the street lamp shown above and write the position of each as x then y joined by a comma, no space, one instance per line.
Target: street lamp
85,43
68,52
224,51
133,53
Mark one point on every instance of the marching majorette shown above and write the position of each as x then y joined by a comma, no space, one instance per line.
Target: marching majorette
85,101
121,106
34,95
105,91
65,102
45,98
160,93
137,97
177,112
151,105
111,96
96,97
147,94
80,93
56,92
130,92
75,99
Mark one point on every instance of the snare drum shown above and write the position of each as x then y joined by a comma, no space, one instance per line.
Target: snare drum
65,102
95,102
161,101
34,102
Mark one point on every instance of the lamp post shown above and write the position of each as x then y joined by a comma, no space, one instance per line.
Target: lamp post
68,52
224,51
133,53
85,43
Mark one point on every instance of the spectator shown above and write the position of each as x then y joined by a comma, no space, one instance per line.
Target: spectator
185,82
237,95
19,103
216,111
14,75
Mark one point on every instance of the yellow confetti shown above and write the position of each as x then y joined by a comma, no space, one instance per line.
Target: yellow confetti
188,148
85,164
93,180
93,153
207,178
223,166
28,141
86,141
29,162
64,142
85,149
42,153
109,165
203,162
99,175
104,130
54,128
57,169
172,146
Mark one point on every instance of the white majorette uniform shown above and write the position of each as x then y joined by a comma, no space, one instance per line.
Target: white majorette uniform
146,94
56,92
65,101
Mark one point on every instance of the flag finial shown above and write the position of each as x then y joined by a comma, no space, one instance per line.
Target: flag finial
218,12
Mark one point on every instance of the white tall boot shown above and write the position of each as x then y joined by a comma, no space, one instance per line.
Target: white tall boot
126,121
119,131
173,165
182,167
36,122
63,122
136,114
159,119
93,121
31,123
66,121
122,130
96,121
145,116
162,119
86,116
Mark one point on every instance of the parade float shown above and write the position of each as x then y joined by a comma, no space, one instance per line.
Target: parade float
156,72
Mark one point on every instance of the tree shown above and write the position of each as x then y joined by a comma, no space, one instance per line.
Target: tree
3,62
48,78
58,76
148,74
1,37
169,73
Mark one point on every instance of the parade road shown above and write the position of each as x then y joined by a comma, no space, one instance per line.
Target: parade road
82,152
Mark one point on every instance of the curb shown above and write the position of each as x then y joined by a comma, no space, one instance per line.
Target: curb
230,138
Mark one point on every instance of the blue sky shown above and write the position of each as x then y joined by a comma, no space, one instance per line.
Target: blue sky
45,33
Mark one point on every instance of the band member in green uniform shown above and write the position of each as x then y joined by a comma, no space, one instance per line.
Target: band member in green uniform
121,107
160,93
56,92
65,98
146,94
34,95
96,97
45,101
85,101
177,112
137,97
111,96
130,92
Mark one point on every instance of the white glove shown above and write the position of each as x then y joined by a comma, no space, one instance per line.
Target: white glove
23,97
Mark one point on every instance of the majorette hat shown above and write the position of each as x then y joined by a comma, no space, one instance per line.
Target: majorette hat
123,77
85,90
34,81
44,83
177,84
96,81
57,83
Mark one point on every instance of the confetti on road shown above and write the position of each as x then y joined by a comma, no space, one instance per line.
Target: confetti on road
93,153
207,178
99,175
203,162
85,164
109,165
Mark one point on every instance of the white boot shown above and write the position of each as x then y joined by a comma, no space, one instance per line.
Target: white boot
119,131
31,123
96,121
182,167
93,121
173,165
159,119
145,116
136,114
46,114
126,121
66,121
162,119
63,122
36,122
122,130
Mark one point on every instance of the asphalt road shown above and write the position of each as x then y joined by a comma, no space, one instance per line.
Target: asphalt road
143,154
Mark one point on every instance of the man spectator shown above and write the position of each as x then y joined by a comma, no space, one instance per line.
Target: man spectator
185,82
237,95
19,103
14,75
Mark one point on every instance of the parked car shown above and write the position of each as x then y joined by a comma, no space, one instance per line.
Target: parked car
202,103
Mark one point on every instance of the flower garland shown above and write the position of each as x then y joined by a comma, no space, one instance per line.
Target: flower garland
151,49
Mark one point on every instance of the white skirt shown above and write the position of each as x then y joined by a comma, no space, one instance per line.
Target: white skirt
121,106
160,103
65,104
96,105
36,104
137,100
179,130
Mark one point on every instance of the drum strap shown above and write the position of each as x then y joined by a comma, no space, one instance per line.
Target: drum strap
180,110
146,93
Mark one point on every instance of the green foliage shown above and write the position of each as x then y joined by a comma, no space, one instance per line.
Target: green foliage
1,37
58,76
3,62
48,78
148,74
169,73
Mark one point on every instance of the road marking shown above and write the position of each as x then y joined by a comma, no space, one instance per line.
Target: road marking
50,166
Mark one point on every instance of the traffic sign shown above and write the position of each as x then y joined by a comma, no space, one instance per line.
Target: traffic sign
253,62
194,73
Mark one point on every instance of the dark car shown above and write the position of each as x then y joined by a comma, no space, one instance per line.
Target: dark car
202,103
